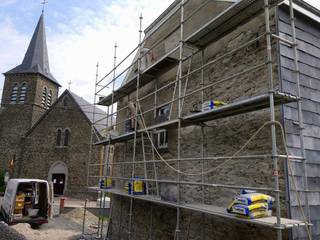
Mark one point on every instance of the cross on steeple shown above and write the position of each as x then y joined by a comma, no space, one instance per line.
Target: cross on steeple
69,84
43,4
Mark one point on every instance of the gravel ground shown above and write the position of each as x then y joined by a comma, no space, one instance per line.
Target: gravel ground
8,233
67,226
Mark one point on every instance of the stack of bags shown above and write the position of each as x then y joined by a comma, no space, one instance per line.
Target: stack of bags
212,104
135,187
251,205
105,183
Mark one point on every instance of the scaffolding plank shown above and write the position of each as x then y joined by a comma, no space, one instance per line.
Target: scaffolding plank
208,209
251,104
127,136
235,15
165,63
248,105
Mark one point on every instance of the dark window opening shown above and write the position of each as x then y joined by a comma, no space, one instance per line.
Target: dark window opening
163,113
59,135
66,137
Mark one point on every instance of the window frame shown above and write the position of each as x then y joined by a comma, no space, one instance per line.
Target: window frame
162,144
66,137
44,97
23,90
162,113
14,90
58,137
49,99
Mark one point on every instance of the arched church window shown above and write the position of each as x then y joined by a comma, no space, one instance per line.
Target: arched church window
44,97
59,137
23,93
49,99
66,137
14,93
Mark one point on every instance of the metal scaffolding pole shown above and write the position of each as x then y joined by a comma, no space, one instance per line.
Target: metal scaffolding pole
136,123
202,150
178,230
272,117
108,150
101,194
89,164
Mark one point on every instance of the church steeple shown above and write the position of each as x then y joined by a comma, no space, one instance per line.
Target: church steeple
36,58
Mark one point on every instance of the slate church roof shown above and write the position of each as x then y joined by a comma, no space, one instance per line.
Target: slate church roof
36,58
87,108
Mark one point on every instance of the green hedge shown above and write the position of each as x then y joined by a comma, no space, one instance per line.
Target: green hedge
2,186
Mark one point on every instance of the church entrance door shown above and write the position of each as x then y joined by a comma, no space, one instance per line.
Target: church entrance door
58,183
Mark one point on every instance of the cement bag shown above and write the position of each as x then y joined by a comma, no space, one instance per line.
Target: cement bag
246,210
256,214
252,198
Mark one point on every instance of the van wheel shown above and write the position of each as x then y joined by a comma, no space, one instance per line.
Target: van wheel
35,225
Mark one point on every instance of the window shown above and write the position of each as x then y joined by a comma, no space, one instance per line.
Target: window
44,97
162,139
66,137
14,93
59,135
49,99
23,93
163,113
62,137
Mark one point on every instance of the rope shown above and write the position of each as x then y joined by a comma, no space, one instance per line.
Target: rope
233,156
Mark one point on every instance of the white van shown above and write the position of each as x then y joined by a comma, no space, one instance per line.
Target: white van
27,201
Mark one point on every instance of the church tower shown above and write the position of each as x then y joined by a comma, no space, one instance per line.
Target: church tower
29,90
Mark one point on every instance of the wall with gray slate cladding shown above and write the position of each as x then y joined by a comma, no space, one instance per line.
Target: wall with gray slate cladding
308,37
221,138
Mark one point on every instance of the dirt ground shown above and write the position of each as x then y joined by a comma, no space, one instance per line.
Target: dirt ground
67,226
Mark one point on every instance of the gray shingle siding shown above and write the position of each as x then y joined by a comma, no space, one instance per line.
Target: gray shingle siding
308,37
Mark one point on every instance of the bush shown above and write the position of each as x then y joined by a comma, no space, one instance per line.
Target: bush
2,185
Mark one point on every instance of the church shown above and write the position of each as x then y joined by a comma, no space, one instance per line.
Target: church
44,135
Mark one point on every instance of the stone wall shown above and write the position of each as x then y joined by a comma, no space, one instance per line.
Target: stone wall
220,138
40,150
16,119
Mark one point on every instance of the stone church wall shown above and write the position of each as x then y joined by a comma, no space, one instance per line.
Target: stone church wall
40,150
15,119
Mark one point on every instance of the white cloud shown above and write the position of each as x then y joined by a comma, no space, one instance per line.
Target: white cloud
12,46
77,43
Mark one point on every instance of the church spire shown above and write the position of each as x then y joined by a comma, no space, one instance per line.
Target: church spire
36,58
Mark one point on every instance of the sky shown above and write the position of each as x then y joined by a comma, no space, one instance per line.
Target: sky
80,33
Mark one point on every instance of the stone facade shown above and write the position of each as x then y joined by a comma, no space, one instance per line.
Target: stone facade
40,151
17,118
220,138
32,119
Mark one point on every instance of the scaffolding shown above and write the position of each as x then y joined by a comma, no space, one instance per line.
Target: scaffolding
140,73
